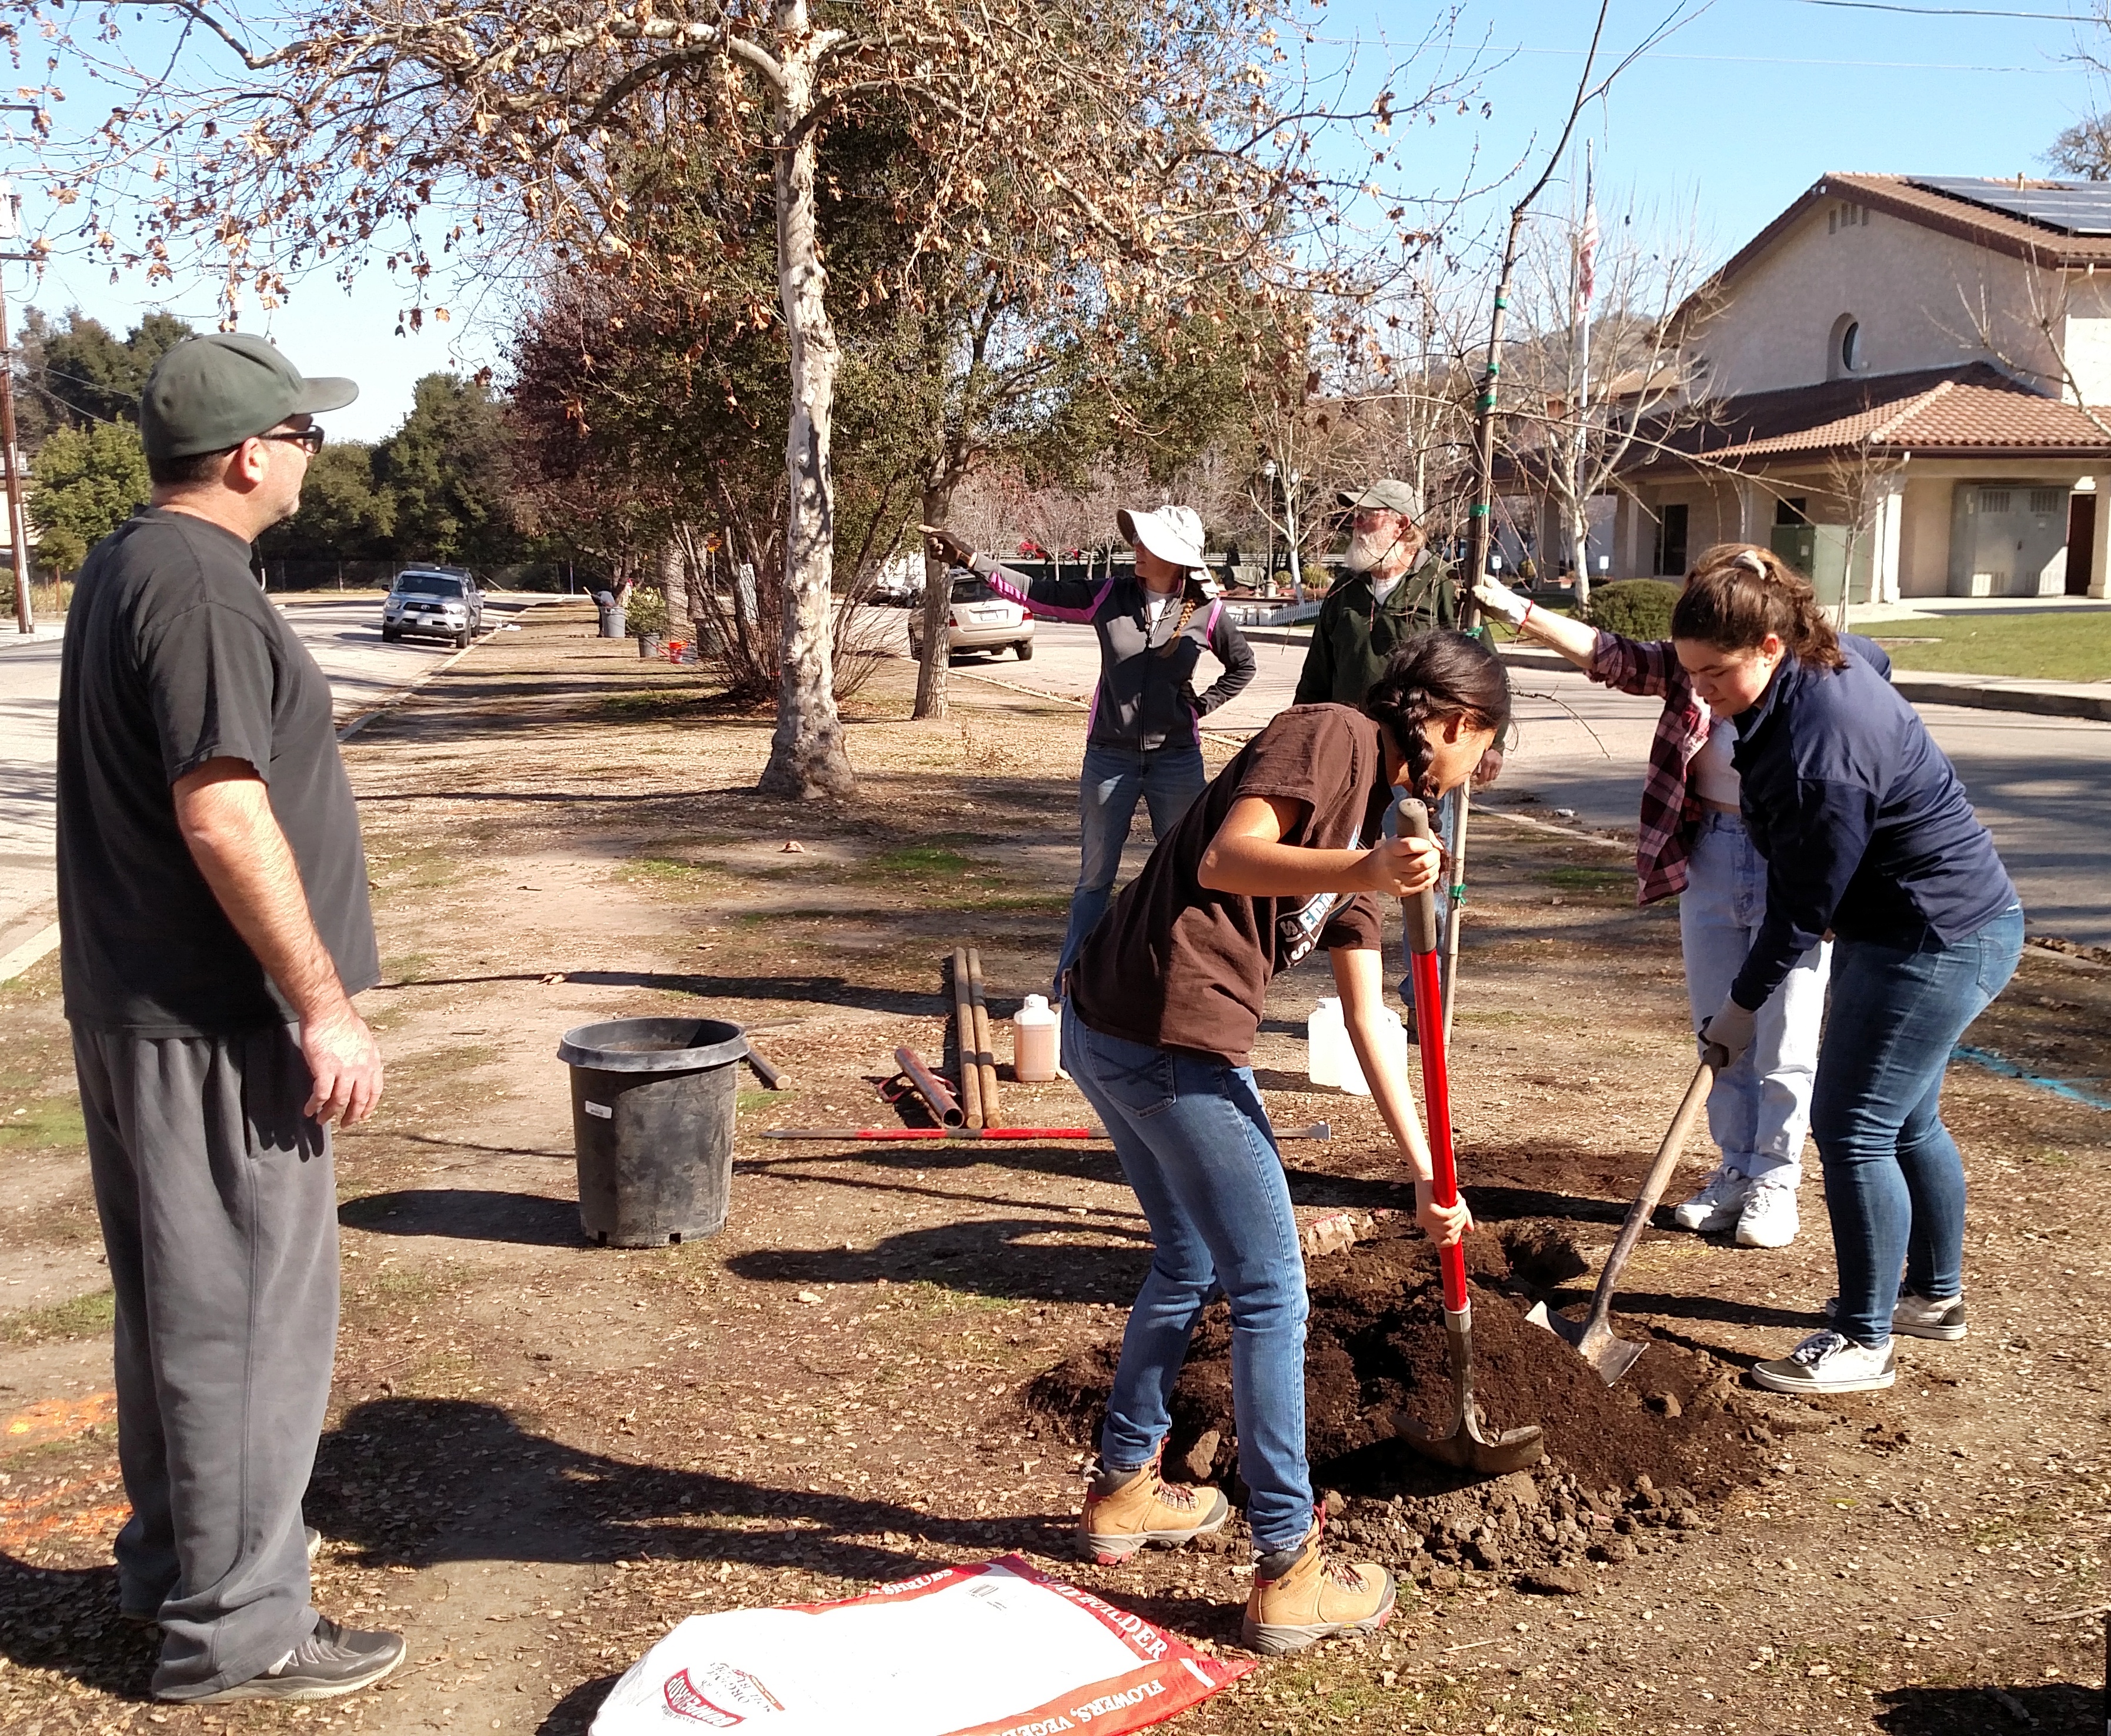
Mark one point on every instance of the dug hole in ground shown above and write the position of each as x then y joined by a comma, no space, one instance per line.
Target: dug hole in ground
542,1456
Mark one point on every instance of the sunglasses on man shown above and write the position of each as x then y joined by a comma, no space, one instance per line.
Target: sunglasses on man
310,438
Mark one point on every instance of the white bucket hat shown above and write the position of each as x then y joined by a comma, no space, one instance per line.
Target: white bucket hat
1173,534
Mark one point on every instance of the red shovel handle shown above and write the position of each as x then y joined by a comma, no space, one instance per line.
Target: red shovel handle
1420,912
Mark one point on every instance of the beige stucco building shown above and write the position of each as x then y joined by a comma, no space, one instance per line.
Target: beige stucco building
1897,384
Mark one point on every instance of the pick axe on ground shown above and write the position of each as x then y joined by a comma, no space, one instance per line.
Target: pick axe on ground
1464,1441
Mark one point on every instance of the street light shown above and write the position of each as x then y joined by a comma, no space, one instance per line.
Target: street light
1268,518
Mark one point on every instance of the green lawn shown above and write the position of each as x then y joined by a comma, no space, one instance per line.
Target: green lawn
2058,645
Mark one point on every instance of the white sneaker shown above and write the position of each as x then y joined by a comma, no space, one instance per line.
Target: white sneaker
1939,1317
1768,1218
1825,1362
1717,1205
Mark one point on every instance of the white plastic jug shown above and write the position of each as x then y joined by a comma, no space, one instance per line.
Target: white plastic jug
1035,1033
1330,1058
1326,1042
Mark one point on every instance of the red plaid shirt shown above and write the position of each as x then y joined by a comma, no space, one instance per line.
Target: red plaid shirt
1670,808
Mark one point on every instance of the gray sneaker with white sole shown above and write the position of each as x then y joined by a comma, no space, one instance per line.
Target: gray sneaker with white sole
330,1662
1938,1317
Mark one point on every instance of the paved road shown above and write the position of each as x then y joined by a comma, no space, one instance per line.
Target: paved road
344,637
2042,784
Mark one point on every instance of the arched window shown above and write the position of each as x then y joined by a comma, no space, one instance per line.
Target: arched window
1846,353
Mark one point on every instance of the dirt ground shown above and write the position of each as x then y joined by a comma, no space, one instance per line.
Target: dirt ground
542,1454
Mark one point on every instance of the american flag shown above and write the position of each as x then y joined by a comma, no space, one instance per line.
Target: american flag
1587,248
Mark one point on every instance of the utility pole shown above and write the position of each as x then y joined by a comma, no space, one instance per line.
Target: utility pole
18,523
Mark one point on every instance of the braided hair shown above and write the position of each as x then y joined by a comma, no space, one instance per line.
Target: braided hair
1434,678
1191,596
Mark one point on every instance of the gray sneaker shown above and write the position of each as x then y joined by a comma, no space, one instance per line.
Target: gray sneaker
330,1662
1938,1317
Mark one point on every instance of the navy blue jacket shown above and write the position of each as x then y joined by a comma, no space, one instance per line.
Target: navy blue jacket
1862,822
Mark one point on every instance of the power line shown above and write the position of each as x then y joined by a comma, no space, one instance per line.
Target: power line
1781,59
1943,12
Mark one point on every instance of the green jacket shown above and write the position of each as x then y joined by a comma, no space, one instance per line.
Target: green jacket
1355,634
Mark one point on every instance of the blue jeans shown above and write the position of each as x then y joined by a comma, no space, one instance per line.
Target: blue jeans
1167,779
1759,1110
1894,1179
1196,1145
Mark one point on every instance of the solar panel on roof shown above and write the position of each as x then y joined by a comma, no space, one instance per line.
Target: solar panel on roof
2068,207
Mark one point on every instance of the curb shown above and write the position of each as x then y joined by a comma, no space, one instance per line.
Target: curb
1916,687
37,947
2039,701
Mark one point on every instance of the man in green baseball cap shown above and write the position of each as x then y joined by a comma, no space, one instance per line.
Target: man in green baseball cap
209,395
1396,591
214,927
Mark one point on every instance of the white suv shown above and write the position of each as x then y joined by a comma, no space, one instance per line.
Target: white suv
979,620
435,600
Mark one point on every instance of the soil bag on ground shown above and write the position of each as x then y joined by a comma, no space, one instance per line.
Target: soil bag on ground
994,1649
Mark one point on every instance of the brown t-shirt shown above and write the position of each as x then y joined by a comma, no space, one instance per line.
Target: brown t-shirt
1180,967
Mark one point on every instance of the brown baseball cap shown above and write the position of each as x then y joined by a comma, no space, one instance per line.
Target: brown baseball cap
212,392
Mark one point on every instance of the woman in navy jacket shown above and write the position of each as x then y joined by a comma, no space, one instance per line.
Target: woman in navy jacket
1868,835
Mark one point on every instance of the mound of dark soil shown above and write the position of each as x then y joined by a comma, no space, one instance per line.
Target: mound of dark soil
1674,1434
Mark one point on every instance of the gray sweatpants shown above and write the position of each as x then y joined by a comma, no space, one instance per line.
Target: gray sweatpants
219,1207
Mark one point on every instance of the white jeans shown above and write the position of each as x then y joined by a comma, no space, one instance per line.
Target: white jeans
1760,1109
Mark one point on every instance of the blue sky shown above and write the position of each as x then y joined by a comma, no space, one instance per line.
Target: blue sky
1737,113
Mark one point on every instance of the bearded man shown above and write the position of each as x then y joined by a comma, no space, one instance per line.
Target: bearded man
1399,590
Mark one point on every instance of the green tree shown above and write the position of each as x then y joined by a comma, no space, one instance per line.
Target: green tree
344,511
88,481
449,472
80,374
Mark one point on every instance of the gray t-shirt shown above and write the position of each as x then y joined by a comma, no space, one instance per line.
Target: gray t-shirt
174,656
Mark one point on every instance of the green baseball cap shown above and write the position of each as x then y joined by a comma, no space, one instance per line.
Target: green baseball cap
212,392
1387,494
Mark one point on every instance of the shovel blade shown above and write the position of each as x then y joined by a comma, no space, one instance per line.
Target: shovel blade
1464,1446
1608,1353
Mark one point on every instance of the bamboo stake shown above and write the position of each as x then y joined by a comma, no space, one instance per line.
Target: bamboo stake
985,1055
963,1026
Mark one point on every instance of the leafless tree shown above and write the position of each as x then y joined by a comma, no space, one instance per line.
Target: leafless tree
1568,433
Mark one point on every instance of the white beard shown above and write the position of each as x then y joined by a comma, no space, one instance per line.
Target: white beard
1368,549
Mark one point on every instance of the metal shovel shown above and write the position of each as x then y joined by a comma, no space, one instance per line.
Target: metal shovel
1593,1336
1465,1441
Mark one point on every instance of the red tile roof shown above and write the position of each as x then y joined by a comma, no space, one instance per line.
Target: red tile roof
1968,410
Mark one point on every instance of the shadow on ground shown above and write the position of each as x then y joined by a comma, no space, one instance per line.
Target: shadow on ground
2056,1708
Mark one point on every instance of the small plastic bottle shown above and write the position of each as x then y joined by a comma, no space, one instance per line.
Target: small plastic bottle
1036,1029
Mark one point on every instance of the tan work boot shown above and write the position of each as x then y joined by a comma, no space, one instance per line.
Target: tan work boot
1122,1514
1299,1596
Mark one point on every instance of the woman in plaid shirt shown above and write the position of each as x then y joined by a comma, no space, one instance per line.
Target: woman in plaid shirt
1693,841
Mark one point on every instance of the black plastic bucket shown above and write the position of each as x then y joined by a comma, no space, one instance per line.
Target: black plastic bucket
652,1107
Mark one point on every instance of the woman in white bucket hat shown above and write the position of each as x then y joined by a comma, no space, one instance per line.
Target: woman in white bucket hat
1143,740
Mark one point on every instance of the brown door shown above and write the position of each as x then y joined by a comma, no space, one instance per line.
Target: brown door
2081,542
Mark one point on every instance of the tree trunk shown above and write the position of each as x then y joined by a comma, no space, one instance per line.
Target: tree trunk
806,755
1579,549
674,587
932,667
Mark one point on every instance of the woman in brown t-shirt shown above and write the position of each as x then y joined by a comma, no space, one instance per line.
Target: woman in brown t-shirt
1283,852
